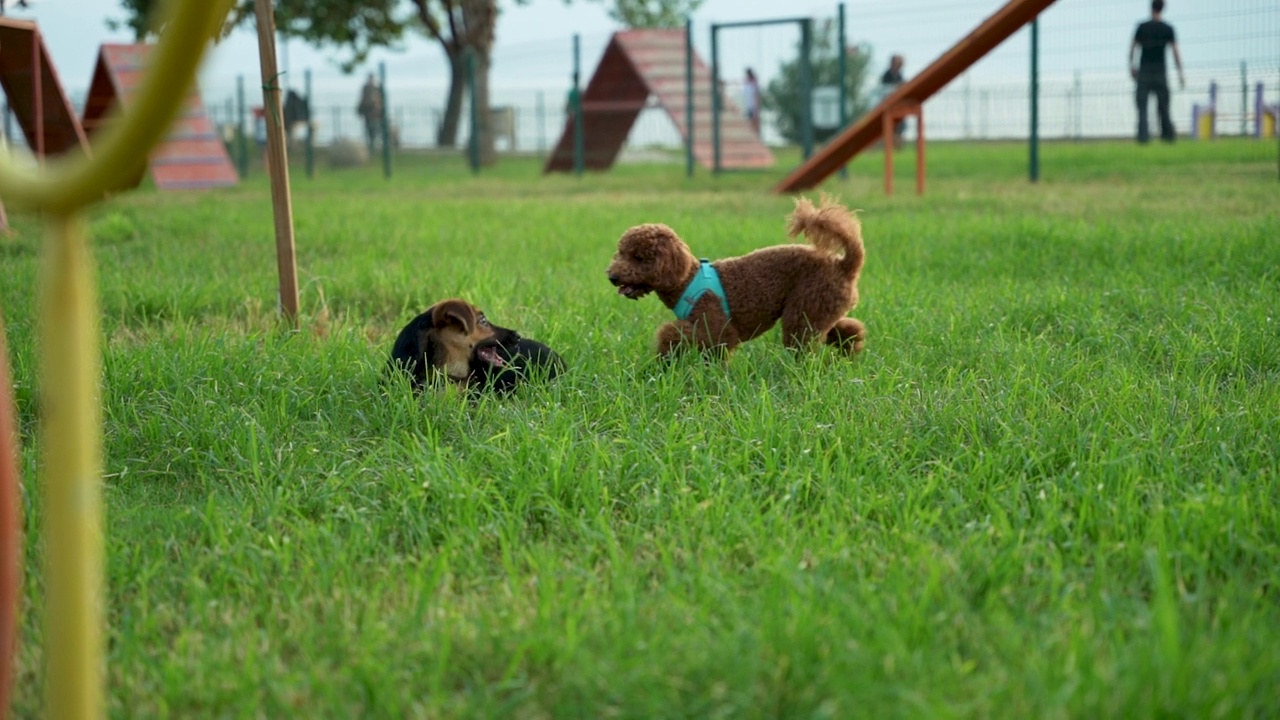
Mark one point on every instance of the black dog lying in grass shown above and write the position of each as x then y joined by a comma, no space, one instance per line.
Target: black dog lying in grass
454,340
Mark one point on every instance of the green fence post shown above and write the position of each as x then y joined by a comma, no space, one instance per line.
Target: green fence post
1035,100
311,129
688,96
715,99
575,106
842,63
806,87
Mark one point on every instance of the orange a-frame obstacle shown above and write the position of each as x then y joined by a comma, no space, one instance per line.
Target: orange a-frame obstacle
640,63
192,155
908,100
35,94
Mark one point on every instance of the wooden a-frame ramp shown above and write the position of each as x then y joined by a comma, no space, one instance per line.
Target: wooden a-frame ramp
912,94
35,92
638,64
192,155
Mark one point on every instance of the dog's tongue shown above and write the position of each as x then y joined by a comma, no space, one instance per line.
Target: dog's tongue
491,356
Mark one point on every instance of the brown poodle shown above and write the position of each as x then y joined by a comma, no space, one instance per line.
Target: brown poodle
809,287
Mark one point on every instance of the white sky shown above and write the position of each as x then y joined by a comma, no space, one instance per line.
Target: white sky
534,41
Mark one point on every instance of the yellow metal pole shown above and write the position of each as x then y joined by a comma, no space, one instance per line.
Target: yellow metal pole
71,439
10,530
70,364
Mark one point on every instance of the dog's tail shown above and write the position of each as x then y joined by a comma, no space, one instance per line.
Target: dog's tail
830,227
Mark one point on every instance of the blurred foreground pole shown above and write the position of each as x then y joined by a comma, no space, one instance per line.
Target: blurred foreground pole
277,163
10,530
71,441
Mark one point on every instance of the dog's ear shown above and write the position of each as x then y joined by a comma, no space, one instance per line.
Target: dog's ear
457,313
668,251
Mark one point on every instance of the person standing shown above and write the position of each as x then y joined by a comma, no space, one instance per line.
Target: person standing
751,99
1149,43
889,82
370,108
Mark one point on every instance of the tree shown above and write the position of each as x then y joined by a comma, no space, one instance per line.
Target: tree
653,13
783,95
359,26
461,27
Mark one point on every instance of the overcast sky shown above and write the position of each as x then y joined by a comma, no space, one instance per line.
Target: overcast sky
534,41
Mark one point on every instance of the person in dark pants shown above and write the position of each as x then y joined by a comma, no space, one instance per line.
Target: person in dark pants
1151,38
889,82
370,108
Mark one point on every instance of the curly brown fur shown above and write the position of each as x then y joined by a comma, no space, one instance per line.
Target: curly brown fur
810,288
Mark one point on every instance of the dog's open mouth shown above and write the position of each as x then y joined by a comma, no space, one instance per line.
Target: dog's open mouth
489,354
635,292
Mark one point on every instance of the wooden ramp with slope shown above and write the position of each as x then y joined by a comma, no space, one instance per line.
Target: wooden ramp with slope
35,92
192,155
637,65
867,129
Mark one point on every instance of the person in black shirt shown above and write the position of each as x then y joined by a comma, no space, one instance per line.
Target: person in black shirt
1151,39
889,82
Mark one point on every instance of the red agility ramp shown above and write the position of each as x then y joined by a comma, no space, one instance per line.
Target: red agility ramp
192,155
911,94
35,92
637,65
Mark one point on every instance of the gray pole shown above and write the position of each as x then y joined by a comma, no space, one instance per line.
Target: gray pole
242,146
1244,98
1079,108
542,123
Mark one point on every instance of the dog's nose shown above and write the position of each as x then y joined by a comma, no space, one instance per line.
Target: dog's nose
615,279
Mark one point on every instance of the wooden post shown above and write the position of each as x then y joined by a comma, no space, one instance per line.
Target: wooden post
886,124
888,120
277,162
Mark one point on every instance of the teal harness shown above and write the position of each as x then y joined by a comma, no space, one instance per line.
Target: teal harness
706,281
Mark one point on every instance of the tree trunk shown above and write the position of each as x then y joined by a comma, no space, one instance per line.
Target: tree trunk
484,119
447,135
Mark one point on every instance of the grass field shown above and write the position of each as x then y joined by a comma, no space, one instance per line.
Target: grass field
1049,488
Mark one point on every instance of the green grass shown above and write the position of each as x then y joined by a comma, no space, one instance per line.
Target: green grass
1049,487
